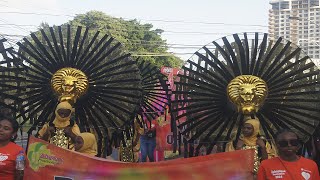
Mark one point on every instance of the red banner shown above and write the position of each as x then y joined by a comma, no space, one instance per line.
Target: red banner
169,70
46,161
164,135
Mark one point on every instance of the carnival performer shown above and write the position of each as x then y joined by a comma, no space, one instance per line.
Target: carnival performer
136,140
86,143
9,150
251,139
62,131
288,165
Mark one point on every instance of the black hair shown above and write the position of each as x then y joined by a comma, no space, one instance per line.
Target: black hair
280,132
14,124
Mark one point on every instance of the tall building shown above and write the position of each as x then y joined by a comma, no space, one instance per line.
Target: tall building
299,22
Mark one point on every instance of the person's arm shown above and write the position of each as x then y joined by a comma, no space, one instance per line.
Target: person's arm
140,130
153,127
136,139
45,132
270,150
262,145
69,132
239,145
229,147
72,132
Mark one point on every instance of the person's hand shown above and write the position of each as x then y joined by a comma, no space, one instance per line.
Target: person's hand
48,133
240,144
68,131
50,130
261,143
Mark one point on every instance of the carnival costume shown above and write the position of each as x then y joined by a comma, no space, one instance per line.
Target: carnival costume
84,67
250,143
59,138
89,146
243,76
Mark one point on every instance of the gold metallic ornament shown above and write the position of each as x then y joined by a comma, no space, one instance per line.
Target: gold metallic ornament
256,158
247,92
126,153
60,139
69,84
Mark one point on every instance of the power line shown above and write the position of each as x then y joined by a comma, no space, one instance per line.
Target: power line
158,54
167,45
137,30
26,25
141,42
155,20
201,22
23,29
38,14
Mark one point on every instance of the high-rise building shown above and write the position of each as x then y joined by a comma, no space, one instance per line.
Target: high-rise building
299,22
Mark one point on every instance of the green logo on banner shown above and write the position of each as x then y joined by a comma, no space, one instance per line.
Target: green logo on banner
39,156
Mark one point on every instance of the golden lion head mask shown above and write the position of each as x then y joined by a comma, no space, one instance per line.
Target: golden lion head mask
69,84
247,92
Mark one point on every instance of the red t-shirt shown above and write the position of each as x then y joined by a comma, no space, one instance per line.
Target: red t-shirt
276,168
8,156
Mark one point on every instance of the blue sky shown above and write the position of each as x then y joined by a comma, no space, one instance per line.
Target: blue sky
186,23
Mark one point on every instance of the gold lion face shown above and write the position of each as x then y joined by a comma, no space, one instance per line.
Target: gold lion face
69,84
247,92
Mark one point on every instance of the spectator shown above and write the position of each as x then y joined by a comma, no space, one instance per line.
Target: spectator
9,150
148,143
288,165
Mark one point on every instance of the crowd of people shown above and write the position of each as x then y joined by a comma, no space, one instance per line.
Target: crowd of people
276,161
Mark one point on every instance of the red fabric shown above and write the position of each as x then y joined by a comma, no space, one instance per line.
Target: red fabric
164,137
276,168
8,156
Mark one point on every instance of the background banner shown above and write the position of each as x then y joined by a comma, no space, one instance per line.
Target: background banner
46,161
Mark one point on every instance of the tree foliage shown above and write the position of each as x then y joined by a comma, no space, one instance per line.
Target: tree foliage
137,38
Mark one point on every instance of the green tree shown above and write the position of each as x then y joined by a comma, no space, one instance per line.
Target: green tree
137,38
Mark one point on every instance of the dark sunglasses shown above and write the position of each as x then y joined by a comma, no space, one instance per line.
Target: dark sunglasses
293,142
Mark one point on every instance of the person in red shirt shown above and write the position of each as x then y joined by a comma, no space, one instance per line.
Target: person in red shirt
9,150
288,165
